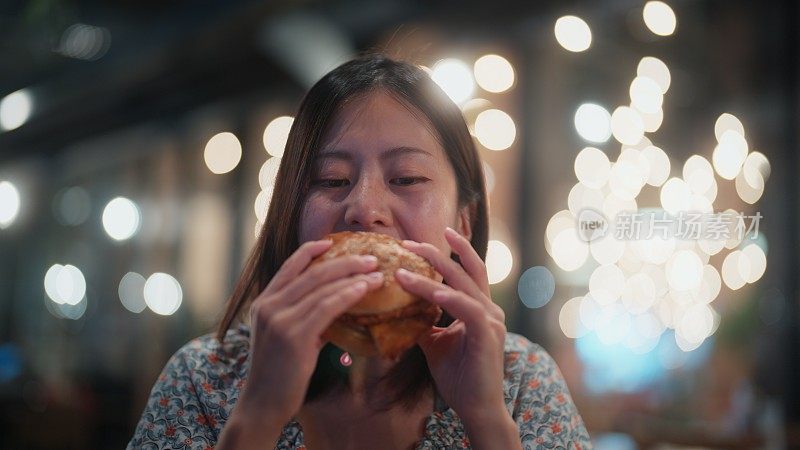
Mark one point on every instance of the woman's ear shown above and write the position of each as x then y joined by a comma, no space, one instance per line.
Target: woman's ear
465,220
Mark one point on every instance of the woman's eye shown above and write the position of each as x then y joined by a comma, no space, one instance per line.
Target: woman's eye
408,181
332,183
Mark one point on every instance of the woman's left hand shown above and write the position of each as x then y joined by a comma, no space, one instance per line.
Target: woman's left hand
466,358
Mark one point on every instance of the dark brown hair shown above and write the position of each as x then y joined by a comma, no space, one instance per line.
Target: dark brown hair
412,86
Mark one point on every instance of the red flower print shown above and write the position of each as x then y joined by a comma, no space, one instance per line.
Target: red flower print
213,358
533,384
560,398
555,428
187,441
465,442
163,401
170,431
204,419
533,358
526,415
180,412
512,356
208,387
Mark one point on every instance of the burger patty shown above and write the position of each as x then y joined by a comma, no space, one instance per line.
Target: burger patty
423,309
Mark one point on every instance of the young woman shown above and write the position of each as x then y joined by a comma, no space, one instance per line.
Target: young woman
375,146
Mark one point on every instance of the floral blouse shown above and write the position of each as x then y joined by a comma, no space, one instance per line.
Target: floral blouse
197,390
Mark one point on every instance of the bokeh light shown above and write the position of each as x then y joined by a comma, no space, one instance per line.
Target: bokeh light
131,292
455,79
536,287
121,218
593,122
65,284
494,73
626,125
729,154
646,95
222,153
659,18
573,33
655,69
15,109
269,173
499,261
72,206
592,167
495,129
162,293
9,203
276,134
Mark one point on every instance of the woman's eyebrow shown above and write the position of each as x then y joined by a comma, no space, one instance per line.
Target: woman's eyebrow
391,153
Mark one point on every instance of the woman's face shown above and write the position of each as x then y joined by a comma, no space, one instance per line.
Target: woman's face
380,169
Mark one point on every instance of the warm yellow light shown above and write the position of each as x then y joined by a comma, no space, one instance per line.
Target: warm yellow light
569,319
655,69
729,154
646,95
592,167
455,79
626,125
276,134
495,129
593,123
659,165
268,173
573,33
568,251
684,270
659,18
676,196
223,153
494,73
606,284
698,174
499,261
727,122
9,203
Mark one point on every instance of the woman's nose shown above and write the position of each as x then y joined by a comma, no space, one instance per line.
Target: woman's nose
366,205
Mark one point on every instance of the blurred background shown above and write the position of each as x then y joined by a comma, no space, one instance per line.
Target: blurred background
139,141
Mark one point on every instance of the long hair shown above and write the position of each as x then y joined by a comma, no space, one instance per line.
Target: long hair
412,86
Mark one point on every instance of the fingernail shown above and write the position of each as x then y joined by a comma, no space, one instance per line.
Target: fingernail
369,259
375,275
403,273
450,230
408,243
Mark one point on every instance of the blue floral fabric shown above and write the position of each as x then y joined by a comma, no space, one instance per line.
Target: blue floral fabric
197,390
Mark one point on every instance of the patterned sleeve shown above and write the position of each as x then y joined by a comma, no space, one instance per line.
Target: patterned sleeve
544,410
173,417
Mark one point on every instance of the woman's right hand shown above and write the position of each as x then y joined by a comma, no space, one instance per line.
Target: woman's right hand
288,319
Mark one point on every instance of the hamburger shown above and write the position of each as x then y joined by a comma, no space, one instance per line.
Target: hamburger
388,320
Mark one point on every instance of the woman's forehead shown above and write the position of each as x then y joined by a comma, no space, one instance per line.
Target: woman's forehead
379,122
